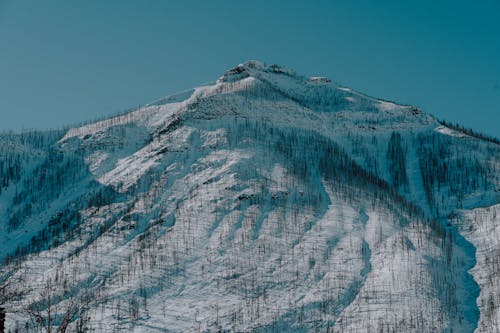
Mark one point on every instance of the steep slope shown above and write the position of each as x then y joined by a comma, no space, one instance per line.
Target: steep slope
266,201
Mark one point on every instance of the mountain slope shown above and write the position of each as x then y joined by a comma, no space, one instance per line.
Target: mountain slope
266,201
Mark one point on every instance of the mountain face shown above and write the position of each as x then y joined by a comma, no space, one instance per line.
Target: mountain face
267,201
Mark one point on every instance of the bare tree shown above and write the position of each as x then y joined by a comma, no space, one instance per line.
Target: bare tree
12,289
54,313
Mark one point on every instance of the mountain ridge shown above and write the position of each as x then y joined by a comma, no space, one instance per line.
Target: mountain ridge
266,201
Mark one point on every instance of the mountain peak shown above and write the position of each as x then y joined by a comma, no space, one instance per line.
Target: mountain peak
250,67
289,202
251,88
254,64
316,93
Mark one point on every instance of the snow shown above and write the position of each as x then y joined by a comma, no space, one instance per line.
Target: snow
451,132
481,226
214,225
386,106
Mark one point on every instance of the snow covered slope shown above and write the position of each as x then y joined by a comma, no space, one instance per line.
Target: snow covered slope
267,201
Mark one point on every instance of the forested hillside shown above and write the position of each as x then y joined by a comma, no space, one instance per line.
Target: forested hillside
267,201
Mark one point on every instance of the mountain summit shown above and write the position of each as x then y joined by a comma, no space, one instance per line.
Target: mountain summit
267,201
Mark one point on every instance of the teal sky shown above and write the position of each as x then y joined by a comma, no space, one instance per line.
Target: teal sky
62,62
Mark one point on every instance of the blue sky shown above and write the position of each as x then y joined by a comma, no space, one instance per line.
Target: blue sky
62,62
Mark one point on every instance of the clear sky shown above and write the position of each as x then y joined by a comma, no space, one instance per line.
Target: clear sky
63,62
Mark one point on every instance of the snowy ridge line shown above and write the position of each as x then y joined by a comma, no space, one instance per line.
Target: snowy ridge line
153,115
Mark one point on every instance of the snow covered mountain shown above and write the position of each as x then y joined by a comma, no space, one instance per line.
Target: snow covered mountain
267,201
